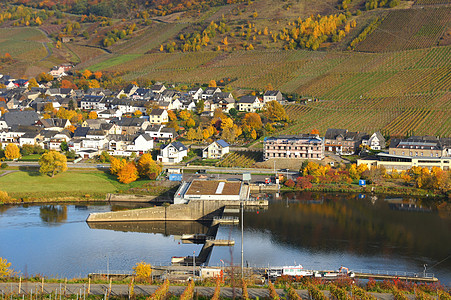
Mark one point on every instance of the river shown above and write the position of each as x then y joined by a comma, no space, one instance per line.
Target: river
317,230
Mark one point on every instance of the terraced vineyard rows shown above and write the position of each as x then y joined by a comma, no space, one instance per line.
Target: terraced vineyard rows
408,29
241,159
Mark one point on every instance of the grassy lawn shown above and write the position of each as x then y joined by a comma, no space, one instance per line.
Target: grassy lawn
31,157
69,184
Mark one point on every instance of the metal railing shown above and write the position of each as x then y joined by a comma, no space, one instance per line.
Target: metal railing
395,273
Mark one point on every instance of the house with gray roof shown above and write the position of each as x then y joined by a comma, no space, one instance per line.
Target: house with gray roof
16,118
172,153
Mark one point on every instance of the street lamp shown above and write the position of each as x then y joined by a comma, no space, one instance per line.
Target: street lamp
242,238
424,272
194,264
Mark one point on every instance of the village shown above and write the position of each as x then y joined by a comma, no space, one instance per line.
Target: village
135,120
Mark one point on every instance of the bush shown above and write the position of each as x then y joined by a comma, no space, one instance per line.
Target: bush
4,165
290,183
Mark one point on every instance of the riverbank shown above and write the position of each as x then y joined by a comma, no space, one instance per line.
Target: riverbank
74,186
205,289
376,190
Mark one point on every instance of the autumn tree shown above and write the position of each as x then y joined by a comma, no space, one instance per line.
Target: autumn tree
172,116
200,106
32,83
98,75
67,84
212,83
190,123
184,115
226,123
5,268
314,131
52,163
92,115
253,134
191,134
143,271
253,120
12,151
116,165
128,173
147,167
275,112
86,74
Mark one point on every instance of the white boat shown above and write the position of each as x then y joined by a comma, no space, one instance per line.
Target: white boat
296,271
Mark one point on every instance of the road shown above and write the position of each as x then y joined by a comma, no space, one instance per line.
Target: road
123,290
208,169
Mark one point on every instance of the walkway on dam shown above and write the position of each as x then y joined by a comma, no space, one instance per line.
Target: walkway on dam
123,289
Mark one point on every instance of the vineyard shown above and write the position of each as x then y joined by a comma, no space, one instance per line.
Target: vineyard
408,29
241,159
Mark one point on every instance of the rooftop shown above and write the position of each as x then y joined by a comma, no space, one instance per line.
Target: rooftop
213,187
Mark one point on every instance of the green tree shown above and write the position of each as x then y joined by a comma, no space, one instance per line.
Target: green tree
52,163
200,106
12,151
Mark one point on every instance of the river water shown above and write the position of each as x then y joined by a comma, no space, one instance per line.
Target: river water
317,230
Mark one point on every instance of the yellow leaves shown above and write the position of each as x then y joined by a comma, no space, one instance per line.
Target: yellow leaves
52,163
142,270
185,115
128,173
116,165
12,151
226,123
5,266
92,115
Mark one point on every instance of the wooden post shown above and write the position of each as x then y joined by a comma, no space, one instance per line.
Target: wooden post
42,285
111,281
89,285
65,286
20,284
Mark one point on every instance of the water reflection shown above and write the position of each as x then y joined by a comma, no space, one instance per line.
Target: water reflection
53,214
343,222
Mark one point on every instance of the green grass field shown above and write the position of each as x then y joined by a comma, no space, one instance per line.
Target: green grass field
69,184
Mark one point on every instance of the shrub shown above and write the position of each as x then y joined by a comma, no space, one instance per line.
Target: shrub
289,183
3,165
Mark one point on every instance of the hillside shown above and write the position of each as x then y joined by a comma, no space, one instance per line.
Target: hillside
397,79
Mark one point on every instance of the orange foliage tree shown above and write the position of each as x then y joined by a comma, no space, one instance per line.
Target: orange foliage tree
128,173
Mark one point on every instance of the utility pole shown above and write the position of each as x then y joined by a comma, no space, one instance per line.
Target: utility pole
242,238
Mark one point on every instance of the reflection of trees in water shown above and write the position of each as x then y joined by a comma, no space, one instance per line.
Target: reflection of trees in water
342,222
53,214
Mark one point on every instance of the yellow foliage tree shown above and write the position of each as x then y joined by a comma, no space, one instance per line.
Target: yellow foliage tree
254,134
172,116
128,173
86,74
185,115
52,163
116,165
5,270
92,115
190,123
147,167
226,123
12,151
142,271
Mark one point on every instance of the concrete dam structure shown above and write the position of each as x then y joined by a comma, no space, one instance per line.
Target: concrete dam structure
193,211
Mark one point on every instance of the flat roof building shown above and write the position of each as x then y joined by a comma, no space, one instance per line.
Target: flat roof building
211,190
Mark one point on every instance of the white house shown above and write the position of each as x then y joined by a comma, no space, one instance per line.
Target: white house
196,93
160,132
217,149
142,143
249,104
158,116
375,142
172,153
272,96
